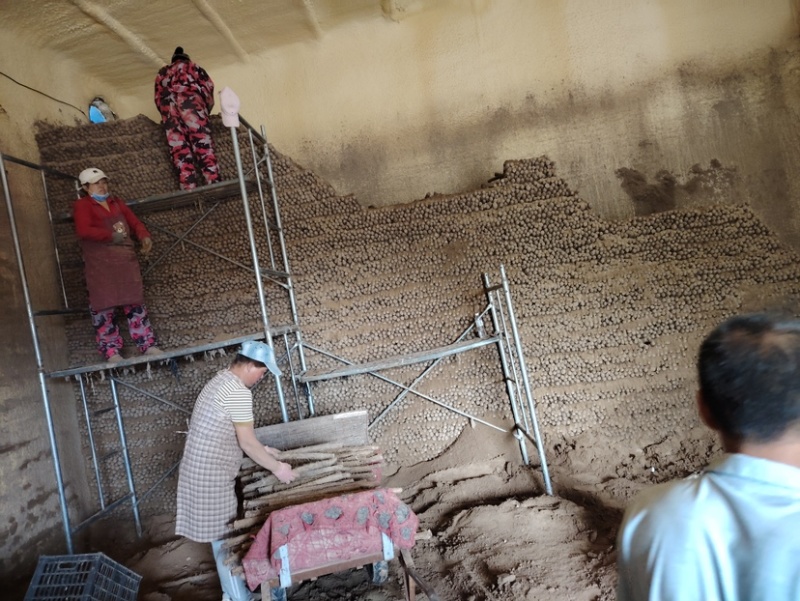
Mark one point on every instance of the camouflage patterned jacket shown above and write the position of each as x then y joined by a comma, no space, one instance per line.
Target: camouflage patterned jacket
185,85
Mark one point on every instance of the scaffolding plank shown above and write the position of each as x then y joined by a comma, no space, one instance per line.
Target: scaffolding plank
212,192
180,198
410,359
170,354
347,429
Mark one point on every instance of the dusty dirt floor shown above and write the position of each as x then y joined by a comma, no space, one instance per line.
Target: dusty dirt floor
494,534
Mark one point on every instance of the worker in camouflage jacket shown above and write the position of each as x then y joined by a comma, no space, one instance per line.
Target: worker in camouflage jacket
184,95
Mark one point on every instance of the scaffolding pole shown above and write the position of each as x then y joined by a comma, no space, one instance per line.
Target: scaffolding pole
277,272
509,345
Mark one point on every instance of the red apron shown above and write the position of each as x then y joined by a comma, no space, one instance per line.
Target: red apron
112,270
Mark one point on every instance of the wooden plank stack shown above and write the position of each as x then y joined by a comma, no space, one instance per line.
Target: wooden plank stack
323,471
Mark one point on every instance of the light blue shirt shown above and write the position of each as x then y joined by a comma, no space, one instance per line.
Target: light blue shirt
731,533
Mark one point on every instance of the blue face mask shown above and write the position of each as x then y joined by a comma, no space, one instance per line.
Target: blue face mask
99,197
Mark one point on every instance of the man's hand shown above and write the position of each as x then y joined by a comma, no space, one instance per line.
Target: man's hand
262,454
284,473
147,245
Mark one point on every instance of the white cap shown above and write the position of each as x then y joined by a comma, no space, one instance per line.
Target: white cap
258,351
229,107
92,175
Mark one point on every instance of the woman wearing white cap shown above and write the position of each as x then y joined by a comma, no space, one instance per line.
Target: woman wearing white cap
221,429
104,225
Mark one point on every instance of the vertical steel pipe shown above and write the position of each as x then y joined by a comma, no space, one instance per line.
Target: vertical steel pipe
90,432
264,217
123,440
289,280
256,265
514,370
497,325
55,243
525,381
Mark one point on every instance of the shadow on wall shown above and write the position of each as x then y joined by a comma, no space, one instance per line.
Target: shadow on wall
700,187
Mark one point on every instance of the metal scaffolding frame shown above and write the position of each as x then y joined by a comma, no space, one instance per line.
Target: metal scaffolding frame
274,269
503,333
251,183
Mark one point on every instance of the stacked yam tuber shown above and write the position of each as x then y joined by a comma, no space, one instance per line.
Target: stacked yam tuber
609,311
323,471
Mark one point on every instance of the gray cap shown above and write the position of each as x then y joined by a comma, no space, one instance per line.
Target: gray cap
258,351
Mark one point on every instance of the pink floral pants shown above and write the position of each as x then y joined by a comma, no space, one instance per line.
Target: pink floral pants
109,340
191,146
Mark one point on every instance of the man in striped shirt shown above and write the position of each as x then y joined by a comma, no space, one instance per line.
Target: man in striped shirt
221,429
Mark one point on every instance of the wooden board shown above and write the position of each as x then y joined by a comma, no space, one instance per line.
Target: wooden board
347,429
324,570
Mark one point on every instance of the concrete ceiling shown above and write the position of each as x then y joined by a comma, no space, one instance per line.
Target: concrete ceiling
124,42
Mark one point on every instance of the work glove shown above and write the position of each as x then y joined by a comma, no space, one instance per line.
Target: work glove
117,237
285,473
147,245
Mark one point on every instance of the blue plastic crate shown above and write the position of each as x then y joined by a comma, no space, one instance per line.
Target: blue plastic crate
88,577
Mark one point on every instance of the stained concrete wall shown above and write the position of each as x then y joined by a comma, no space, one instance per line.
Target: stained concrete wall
434,99
30,514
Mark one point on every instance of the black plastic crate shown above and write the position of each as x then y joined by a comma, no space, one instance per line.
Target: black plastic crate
88,577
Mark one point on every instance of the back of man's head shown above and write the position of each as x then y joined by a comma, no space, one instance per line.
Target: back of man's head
749,369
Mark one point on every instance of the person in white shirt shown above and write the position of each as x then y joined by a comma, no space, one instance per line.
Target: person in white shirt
731,533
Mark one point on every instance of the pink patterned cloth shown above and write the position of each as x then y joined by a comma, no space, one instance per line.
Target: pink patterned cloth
328,532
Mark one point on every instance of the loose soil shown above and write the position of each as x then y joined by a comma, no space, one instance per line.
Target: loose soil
488,530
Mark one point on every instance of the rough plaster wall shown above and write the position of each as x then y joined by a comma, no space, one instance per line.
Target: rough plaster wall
434,99
30,516
610,312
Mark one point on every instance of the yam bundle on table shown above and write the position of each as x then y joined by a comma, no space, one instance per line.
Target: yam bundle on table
323,471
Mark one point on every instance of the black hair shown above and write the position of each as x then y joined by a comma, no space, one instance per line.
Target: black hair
242,359
749,369
179,54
